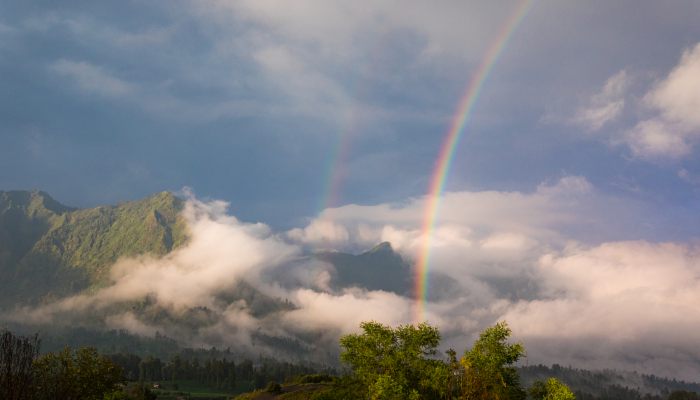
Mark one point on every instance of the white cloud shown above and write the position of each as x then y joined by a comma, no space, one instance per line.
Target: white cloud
677,97
675,129
632,299
657,139
668,125
322,234
606,105
467,215
344,312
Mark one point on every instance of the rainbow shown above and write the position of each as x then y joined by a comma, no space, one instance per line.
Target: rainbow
342,145
447,150
337,158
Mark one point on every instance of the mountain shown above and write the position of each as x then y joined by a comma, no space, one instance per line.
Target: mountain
49,250
379,268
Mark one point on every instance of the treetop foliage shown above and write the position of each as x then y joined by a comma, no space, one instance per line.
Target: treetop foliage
403,363
552,389
79,374
488,367
394,363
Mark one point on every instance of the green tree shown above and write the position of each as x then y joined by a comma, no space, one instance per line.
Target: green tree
552,389
395,363
488,366
68,375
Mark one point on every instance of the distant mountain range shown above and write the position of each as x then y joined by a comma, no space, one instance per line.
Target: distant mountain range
49,250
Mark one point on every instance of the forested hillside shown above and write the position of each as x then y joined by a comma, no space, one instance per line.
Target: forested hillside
608,384
49,250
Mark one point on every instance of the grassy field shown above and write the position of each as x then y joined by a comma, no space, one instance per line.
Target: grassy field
288,392
185,389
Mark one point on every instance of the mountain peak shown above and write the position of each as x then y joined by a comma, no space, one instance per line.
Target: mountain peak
31,200
383,247
51,248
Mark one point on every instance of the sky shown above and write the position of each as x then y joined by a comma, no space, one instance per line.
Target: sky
319,124
268,105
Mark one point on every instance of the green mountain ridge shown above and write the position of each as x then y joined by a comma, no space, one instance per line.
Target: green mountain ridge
48,249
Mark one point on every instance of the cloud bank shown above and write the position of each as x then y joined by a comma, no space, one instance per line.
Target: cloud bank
497,256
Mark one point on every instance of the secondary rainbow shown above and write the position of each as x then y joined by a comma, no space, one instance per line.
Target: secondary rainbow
340,151
447,151
337,160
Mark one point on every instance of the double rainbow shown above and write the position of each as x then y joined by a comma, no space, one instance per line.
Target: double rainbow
447,151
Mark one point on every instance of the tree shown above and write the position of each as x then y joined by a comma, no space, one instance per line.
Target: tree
488,366
395,363
16,357
552,389
68,375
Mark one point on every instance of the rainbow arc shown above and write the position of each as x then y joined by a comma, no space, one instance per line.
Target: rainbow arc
447,151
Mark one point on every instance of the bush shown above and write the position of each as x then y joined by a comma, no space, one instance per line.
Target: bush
273,387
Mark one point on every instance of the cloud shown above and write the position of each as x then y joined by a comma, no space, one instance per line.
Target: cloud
334,27
674,130
540,260
155,98
657,139
92,79
333,58
522,257
605,106
677,97
669,125
634,300
543,214
310,90
343,313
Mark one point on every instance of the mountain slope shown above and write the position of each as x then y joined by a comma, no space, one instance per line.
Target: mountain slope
380,268
49,250
24,218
